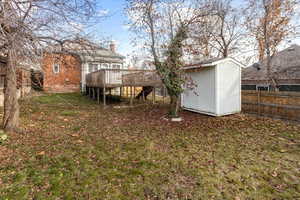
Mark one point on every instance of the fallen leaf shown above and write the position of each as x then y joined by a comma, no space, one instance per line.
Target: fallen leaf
41,153
274,174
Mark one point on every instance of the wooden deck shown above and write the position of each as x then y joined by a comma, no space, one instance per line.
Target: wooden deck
112,78
100,82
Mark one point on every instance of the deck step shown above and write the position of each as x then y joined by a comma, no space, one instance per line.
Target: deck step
145,92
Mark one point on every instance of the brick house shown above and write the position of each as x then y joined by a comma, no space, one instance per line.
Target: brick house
66,72
62,72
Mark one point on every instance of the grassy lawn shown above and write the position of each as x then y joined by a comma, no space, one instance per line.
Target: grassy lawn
75,149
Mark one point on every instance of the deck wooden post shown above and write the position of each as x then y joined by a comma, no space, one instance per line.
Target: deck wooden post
121,92
94,93
153,95
104,96
131,95
164,93
143,93
258,102
98,95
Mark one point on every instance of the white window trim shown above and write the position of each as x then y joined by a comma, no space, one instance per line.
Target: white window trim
265,86
105,66
90,67
54,68
117,64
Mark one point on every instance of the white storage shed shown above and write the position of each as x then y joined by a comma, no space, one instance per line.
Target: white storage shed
217,87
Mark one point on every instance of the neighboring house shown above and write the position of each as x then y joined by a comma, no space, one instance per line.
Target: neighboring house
285,71
100,58
62,72
66,72
141,62
23,80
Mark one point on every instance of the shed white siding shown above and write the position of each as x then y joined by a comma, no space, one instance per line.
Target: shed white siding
217,91
229,88
205,87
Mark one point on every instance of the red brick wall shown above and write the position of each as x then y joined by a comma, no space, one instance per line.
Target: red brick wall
69,76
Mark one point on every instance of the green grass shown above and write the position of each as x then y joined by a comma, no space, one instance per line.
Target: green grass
75,149
68,113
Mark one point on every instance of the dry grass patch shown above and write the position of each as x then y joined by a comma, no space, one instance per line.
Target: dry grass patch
75,149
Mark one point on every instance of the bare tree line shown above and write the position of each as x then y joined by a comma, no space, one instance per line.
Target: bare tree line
172,29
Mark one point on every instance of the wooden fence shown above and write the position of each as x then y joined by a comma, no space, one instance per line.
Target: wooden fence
283,105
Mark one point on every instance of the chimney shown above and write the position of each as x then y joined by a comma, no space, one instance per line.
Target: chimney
112,46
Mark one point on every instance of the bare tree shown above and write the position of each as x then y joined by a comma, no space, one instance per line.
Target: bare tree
26,27
201,38
270,22
228,30
218,35
165,25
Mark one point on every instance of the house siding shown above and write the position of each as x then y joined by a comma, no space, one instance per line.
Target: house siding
69,76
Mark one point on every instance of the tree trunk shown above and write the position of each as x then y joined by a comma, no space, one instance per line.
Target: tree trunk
174,106
11,105
225,52
271,82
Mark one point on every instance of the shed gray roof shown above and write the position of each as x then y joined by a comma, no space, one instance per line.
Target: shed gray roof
212,62
285,65
205,61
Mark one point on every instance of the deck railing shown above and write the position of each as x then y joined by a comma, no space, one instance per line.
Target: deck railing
122,77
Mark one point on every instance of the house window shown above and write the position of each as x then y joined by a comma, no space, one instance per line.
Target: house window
2,81
96,67
92,67
248,87
262,88
291,88
105,66
116,66
56,68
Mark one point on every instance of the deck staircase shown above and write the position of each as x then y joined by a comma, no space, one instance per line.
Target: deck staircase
145,92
